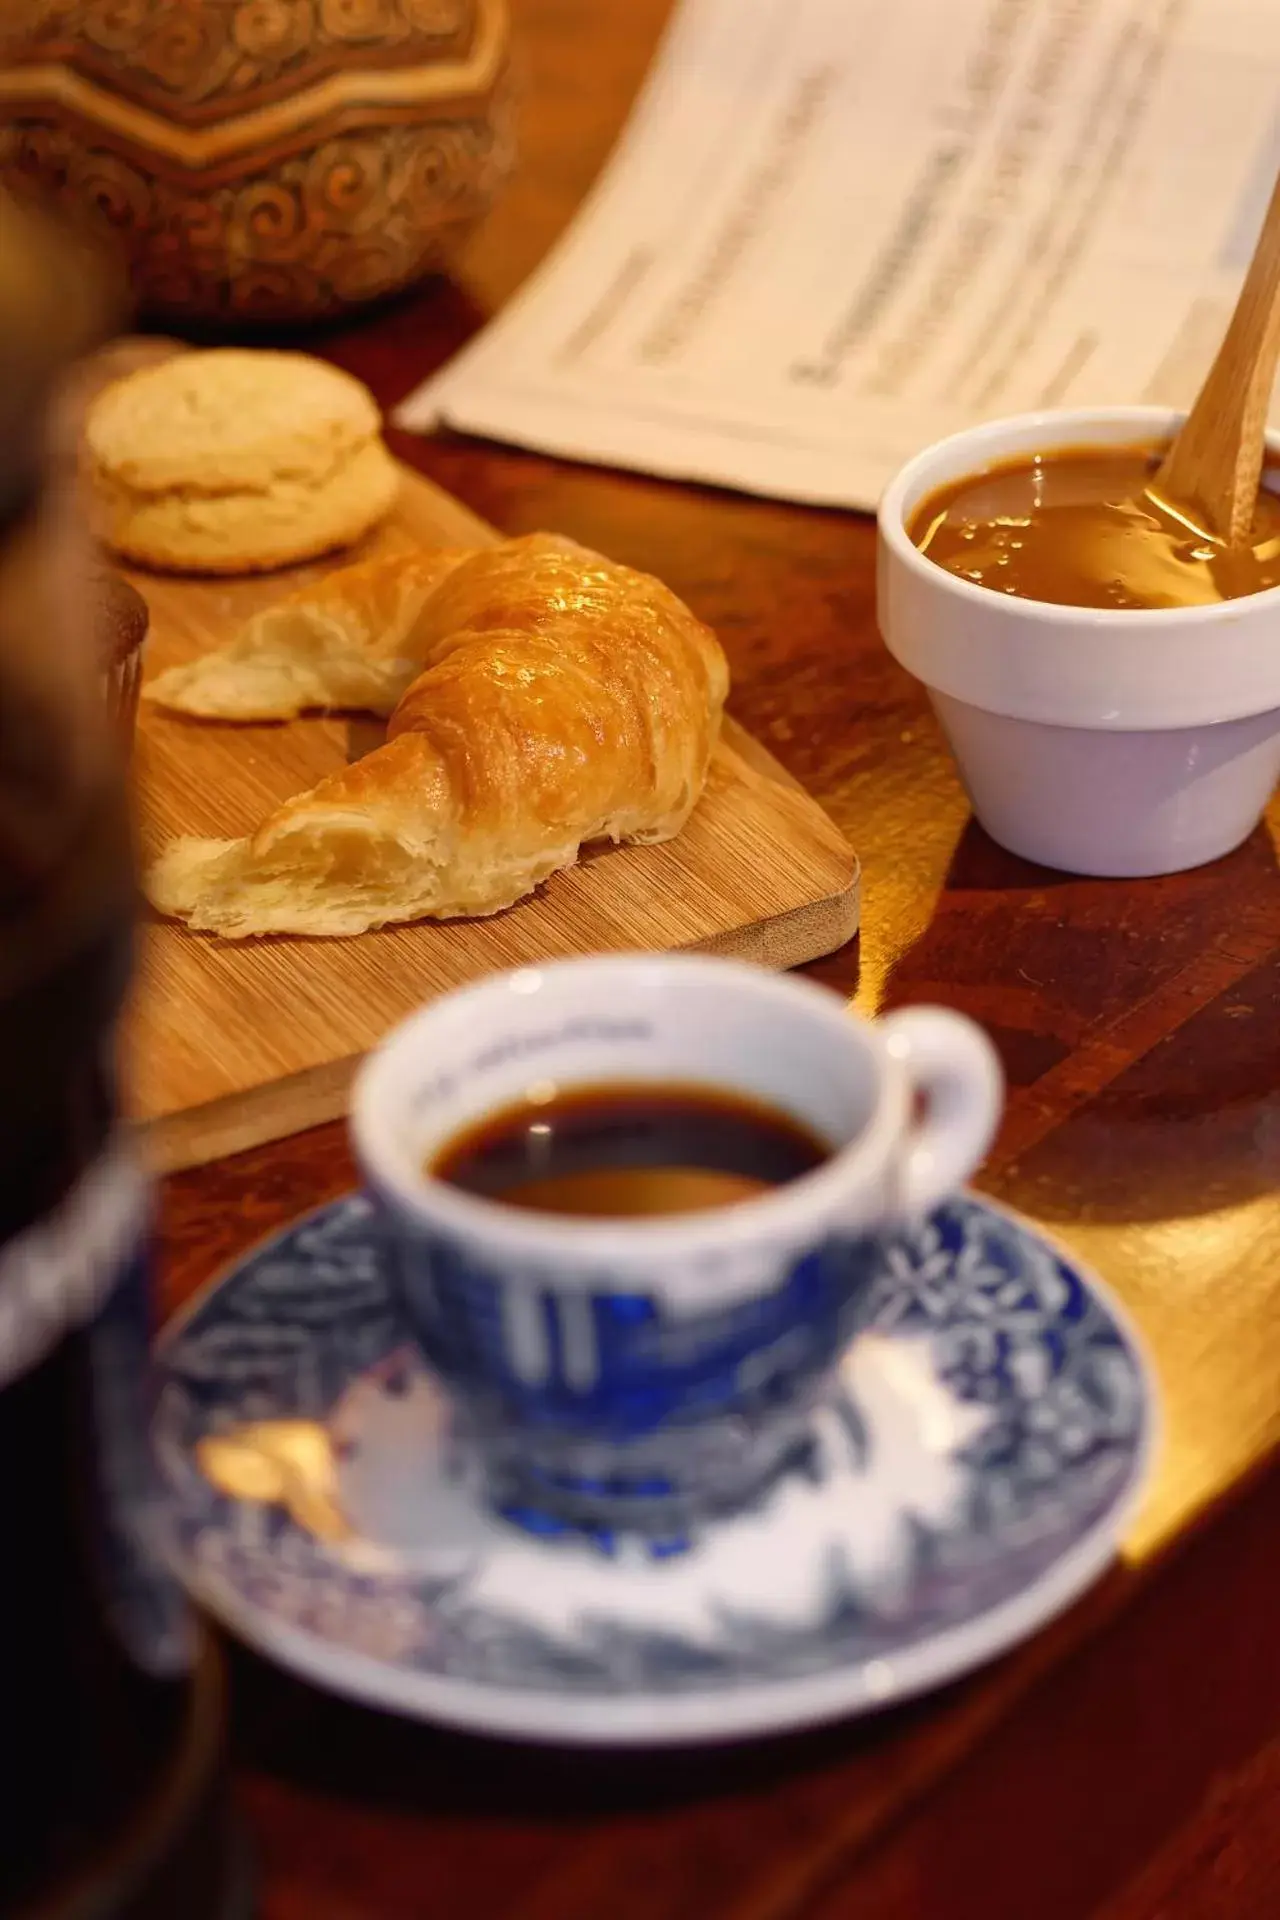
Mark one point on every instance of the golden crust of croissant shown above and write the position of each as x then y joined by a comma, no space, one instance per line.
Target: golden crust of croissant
561,699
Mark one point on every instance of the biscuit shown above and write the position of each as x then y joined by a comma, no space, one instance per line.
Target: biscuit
245,531
234,461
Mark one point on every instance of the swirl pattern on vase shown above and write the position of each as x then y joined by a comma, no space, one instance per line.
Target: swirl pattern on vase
183,54
194,132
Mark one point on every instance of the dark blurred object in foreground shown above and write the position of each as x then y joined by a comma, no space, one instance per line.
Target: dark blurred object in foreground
111,1770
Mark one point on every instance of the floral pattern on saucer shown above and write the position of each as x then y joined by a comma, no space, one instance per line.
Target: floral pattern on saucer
970,1473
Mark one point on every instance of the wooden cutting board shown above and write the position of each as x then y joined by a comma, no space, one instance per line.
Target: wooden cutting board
230,1043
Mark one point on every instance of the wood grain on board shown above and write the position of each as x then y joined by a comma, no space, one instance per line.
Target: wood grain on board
235,1042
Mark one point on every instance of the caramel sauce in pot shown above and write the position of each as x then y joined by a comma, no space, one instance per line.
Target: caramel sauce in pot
1077,527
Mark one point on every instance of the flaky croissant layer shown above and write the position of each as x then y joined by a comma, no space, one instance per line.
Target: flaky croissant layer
540,698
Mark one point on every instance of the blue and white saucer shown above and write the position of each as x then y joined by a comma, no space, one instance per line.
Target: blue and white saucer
972,1473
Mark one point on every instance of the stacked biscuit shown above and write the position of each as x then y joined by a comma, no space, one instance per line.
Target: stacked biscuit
235,461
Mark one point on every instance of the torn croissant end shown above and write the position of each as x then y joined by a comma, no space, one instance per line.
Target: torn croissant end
332,877
559,699
344,643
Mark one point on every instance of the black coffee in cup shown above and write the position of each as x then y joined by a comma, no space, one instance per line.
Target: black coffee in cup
629,1151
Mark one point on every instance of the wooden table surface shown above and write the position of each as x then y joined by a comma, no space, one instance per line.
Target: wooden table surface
1125,1763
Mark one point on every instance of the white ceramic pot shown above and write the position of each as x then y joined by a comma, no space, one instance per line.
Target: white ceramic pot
1099,741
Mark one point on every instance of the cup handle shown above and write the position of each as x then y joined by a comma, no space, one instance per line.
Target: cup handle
954,1069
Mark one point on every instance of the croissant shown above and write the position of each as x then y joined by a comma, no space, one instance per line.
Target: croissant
540,698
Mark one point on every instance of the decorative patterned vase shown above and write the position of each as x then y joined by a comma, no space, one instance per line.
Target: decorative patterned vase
262,160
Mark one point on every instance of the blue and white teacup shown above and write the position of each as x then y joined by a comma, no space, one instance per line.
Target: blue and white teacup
644,1374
